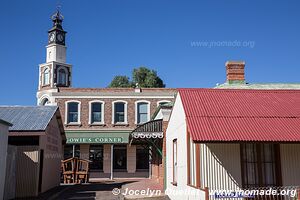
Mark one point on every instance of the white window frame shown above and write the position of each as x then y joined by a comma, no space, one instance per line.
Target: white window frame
163,101
136,110
67,75
193,164
125,112
43,77
79,112
102,112
175,163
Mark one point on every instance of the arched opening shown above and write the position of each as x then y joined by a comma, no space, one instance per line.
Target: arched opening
45,102
62,77
46,77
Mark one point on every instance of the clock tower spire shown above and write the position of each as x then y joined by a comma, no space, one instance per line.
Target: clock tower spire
55,72
56,33
56,49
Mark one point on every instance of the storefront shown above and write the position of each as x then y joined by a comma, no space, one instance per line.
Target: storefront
99,147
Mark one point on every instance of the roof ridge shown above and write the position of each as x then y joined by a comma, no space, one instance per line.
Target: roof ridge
20,106
241,90
262,117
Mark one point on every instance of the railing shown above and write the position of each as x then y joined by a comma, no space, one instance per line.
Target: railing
148,130
258,193
151,126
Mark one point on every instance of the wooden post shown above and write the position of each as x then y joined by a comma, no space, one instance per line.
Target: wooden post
206,193
111,162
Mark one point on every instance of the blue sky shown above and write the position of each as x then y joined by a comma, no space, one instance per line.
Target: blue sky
110,37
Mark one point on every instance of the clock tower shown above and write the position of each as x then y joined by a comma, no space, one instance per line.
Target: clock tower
56,49
55,72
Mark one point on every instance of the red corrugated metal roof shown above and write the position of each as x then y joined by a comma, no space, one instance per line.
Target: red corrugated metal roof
242,115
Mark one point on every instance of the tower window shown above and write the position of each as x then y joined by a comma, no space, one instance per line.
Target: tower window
45,102
73,112
62,77
96,112
46,77
142,112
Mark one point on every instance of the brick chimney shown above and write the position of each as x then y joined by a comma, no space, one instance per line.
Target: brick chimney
235,72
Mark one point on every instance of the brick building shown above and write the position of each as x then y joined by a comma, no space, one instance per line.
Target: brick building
97,121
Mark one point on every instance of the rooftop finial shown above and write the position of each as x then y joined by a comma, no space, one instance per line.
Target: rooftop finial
57,18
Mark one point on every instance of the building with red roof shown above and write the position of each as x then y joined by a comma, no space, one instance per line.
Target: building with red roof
232,139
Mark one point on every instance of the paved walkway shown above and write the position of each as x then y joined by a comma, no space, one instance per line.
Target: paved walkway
100,190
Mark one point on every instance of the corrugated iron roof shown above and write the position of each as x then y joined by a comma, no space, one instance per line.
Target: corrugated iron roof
5,122
27,118
260,86
242,115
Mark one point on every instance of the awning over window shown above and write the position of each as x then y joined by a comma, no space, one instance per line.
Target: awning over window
150,132
97,137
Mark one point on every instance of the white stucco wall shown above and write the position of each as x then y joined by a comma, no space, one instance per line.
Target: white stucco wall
56,52
3,152
177,130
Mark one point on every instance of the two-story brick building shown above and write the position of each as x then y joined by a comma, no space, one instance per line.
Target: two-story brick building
97,121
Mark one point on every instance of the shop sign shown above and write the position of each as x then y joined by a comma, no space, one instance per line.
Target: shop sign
107,140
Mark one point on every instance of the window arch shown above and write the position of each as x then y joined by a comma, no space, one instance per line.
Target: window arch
45,102
46,77
62,76
119,112
142,111
96,112
72,112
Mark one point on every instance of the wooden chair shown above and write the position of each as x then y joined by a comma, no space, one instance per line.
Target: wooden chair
82,171
69,170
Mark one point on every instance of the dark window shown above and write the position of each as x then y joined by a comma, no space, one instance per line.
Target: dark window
163,103
142,158
260,165
96,157
175,161
23,140
45,101
142,112
68,151
73,112
96,112
62,77
119,112
120,158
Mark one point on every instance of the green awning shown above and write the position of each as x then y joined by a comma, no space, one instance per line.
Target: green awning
97,137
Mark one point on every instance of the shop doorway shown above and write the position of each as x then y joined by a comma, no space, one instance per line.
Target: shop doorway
142,158
96,157
120,158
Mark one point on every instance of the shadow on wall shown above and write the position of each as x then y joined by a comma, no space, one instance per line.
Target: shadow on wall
225,164
10,176
22,173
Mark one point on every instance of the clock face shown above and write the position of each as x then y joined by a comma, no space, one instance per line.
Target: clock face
52,37
60,37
